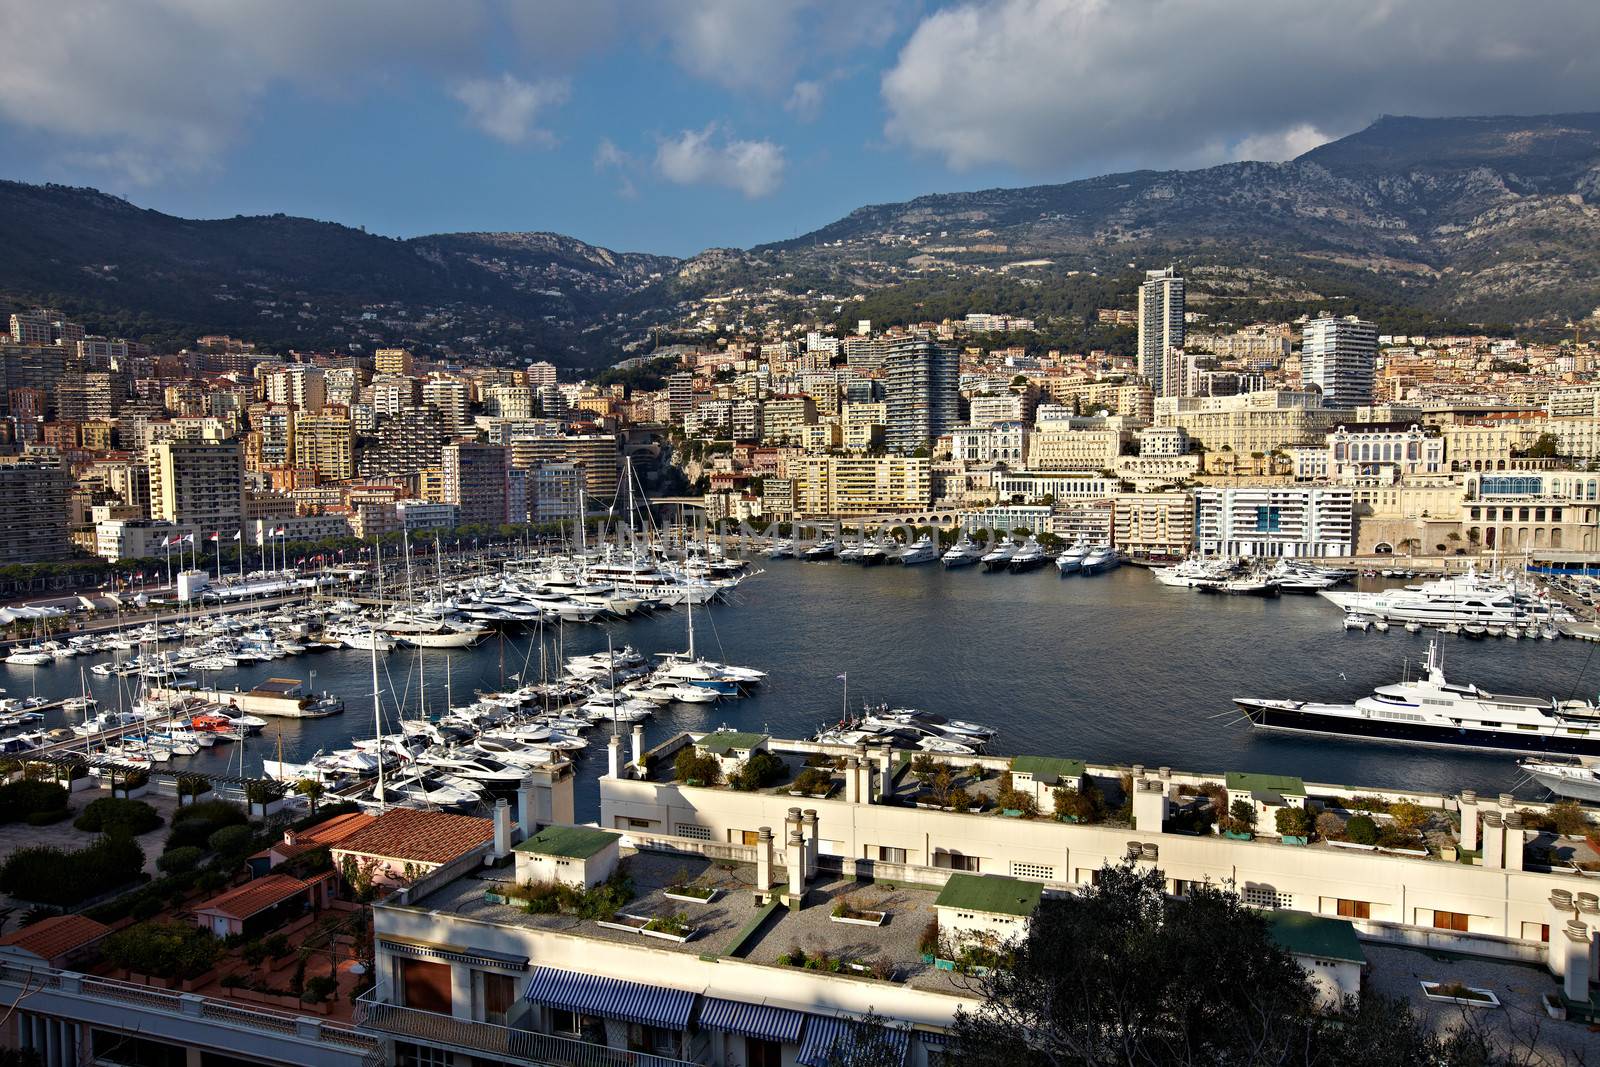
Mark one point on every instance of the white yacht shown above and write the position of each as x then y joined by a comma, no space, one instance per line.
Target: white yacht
364,638
1072,557
1196,573
823,549
964,553
1292,576
1027,558
1431,710
922,550
1100,558
1471,599
998,558
1576,781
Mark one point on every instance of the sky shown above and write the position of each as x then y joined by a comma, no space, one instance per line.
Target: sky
676,125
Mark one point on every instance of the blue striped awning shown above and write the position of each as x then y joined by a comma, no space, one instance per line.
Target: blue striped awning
752,1020
611,998
826,1036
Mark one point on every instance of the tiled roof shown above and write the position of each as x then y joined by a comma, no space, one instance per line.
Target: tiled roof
55,936
335,829
252,898
419,836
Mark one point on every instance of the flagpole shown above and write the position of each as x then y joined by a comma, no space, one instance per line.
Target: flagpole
241,555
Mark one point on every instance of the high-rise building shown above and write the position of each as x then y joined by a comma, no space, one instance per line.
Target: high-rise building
299,385
407,443
680,395
324,441
83,395
198,483
1340,357
392,361
449,397
33,498
598,455
923,394
475,481
553,492
1161,331
541,375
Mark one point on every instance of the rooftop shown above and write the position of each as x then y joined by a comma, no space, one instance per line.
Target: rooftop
576,842
1047,769
55,936
723,742
995,894
1305,934
420,836
1251,782
254,897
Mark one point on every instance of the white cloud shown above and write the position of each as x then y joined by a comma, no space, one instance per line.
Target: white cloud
805,101
710,157
608,157
506,108
1083,85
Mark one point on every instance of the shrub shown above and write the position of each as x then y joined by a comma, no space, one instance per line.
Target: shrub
813,780
698,766
170,950
1362,830
174,860
1243,813
318,989
18,800
1329,826
192,785
960,799
52,876
1293,822
47,818
218,812
928,942
923,767
231,840
759,771
277,946
112,815
1408,817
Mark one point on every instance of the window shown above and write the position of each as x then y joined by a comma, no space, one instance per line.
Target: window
499,997
1037,871
641,824
959,862
1264,896
759,1052
1450,920
1536,932
689,829
409,1055
744,837
583,1027
653,1039
891,855
1355,909
425,985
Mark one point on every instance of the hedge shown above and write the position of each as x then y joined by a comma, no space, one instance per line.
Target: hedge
112,815
169,950
18,800
175,860
49,875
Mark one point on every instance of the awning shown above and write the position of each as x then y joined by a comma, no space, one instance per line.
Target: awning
752,1020
611,998
827,1035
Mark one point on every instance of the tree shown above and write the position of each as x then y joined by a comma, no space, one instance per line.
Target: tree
311,789
1408,817
1125,974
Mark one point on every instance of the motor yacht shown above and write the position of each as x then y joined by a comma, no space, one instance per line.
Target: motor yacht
874,552
998,558
920,551
964,553
1071,558
782,549
1432,710
1029,557
1100,558
1470,599
823,549
1579,780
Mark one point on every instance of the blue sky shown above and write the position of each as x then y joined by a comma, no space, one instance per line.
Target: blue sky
676,125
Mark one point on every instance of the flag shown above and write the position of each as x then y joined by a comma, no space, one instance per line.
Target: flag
843,676
238,534
216,535
188,539
280,531
175,539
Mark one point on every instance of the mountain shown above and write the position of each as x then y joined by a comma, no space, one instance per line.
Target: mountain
1482,217
1456,220
298,282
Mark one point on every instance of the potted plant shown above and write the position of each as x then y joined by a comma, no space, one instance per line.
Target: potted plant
1239,823
1294,825
671,927
846,910
265,798
685,888
191,787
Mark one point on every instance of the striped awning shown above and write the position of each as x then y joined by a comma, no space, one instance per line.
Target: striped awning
827,1036
752,1020
611,998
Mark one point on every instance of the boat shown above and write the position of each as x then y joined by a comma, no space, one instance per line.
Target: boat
1196,573
1246,585
873,553
30,657
920,551
1469,598
1352,621
1100,558
1432,710
1381,625
1293,576
1030,556
998,558
783,549
964,553
1578,780
1413,627
1071,559
364,638
823,549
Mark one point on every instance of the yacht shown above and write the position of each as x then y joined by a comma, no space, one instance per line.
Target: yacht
1027,558
851,553
1471,599
30,657
922,550
1101,558
1431,710
873,553
964,553
1072,558
1196,573
420,791
364,638
998,558
781,550
1576,781
823,549
1294,577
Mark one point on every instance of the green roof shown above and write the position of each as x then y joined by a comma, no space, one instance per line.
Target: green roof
574,842
1249,782
992,893
1046,768
723,742
1305,934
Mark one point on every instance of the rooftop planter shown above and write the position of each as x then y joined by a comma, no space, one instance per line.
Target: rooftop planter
1555,1007
674,928
691,893
1293,839
1456,993
845,911
1238,835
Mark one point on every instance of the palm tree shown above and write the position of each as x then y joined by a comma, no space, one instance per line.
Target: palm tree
312,790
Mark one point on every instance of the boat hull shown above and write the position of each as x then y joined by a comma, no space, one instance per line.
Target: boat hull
1305,718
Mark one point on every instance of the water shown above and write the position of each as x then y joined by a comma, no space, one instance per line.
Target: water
1112,667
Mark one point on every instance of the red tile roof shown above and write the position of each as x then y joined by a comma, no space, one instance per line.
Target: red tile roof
419,836
254,897
333,830
56,936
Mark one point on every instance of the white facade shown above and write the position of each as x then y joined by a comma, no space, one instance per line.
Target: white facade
1272,521
1161,331
1340,357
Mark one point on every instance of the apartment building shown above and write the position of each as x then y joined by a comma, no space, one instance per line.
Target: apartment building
838,486
599,455
475,481
33,498
197,483
923,394
783,418
392,361
1339,357
300,386
1161,331
1154,526
1259,422
325,442
1275,521
450,397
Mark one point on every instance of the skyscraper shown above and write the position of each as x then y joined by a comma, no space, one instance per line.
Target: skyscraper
33,493
198,483
1161,331
1340,357
924,397
475,481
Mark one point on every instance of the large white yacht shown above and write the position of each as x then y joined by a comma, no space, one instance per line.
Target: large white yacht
1469,598
1431,710
998,558
964,553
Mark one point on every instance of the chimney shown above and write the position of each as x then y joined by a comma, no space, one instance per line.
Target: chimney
1573,941
1589,912
852,781
885,770
638,748
763,859
1515,839
1469,820
525,802
1562,909
614,757
797,868
502,828
1494,841
813,846
1507,802
1149,805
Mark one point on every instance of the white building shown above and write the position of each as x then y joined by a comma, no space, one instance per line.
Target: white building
1276,520
1161,331
1340,357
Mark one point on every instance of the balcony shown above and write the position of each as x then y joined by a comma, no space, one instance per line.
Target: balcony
508,1042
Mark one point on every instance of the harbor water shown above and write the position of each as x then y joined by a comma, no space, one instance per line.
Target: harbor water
1113,667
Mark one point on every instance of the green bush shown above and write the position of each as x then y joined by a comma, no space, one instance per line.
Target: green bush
174,860
18,800
50,875
319,989
47,818
195,824
231,840
691,764
1362,830
1293,822
169,950
759,771
110,815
